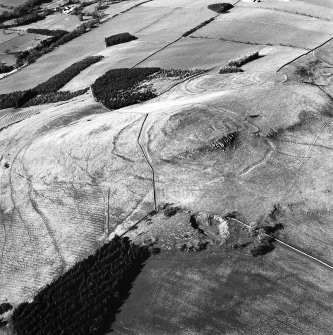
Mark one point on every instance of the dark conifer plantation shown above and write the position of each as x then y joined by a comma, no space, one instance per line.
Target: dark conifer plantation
86,299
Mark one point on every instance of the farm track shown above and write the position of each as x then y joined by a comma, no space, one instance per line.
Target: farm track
290,246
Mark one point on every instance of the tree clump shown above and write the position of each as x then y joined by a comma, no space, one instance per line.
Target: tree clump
119,38
220,7
119,88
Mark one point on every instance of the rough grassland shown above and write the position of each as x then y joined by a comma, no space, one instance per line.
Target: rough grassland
206,293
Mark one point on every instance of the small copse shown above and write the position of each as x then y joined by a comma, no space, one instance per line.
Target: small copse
220,7
119,38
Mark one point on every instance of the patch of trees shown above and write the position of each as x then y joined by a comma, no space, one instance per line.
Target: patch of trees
119,88
189,32
235,64
220,7
6,68
59,33
86,299
230,69
119,38
238,62
46,92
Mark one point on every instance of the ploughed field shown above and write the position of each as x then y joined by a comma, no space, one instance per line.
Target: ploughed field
257,142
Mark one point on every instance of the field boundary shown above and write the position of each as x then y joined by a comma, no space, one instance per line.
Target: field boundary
147,160
306,53
288,245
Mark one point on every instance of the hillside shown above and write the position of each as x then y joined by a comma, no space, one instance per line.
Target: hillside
184,157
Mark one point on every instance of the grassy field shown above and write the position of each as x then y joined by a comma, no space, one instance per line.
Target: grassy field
228,293
277,19
12,3
303,8
174,24
198,53
22,42
261,33
7,34
54,22
87,44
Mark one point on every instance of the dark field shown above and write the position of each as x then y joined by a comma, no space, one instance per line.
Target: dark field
229,293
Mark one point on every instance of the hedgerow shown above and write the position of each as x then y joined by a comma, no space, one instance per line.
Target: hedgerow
220,7
85,299
118,88
189,32
119,38
47,32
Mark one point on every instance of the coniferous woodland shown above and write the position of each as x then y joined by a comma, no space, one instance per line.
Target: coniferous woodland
47,91
85,299
119,38
119,88
220,7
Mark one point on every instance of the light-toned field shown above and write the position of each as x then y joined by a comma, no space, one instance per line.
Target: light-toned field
298,7
261,33
12,3
175,24
22,42
277,19
199,53
54,22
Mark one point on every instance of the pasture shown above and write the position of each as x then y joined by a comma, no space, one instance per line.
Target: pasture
304,8
7,34
189,53
226,292
261,33
277,19
12,3
54,22
21,43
